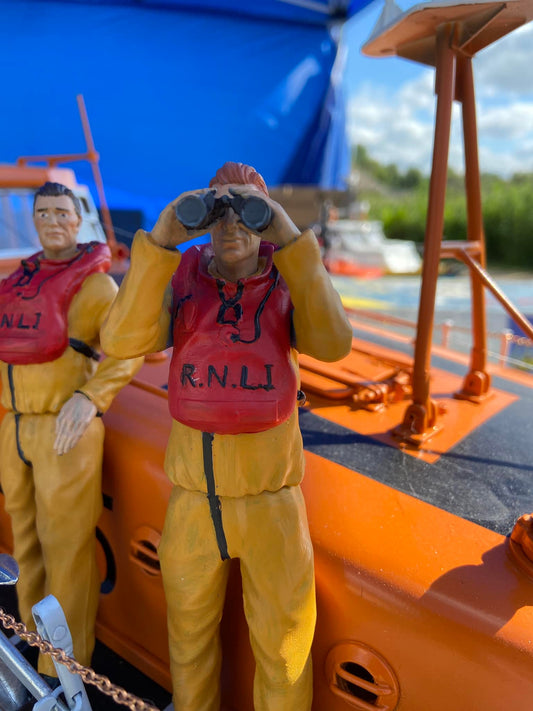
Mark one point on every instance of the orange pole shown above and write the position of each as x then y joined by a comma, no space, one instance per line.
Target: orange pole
485,279
461,252
421,414
93,158
477,381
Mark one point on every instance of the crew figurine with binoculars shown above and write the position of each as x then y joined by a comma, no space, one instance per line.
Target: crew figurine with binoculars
197,212
238,310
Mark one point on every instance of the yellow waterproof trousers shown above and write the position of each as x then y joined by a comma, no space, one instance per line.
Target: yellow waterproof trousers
54,503
270,535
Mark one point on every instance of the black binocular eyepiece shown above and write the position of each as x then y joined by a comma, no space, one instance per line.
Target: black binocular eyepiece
198,211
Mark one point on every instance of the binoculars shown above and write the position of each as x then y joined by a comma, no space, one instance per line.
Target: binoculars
198,211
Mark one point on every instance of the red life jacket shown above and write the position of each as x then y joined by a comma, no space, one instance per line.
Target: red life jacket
35,299
231,370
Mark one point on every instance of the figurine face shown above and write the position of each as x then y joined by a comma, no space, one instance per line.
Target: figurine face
57,225
236,249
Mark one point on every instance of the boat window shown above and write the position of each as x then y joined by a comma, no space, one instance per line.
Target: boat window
17,232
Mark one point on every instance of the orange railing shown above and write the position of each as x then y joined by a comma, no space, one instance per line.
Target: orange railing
447,333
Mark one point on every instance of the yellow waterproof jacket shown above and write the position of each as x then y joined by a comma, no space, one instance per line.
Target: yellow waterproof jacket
140,322
45,387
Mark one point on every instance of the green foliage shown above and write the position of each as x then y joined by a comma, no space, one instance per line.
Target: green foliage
402,218
401,204
508,220
387,174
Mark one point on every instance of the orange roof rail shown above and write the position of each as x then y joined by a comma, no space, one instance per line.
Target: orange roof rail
118,250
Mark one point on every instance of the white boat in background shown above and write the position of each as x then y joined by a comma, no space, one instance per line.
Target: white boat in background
360,248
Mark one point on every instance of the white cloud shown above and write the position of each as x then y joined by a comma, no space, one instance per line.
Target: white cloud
396,126
419,93
504,67
502,163
510,121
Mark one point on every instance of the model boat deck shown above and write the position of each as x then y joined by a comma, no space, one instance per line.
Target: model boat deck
475,467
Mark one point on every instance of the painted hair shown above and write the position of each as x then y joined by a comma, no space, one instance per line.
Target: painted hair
56,190
240,174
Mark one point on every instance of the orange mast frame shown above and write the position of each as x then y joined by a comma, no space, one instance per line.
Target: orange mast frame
93,157
447,37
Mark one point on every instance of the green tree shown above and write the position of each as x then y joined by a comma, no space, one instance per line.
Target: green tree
507,208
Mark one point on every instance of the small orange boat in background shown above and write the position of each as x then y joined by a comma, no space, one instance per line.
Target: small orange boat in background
419,478
359,247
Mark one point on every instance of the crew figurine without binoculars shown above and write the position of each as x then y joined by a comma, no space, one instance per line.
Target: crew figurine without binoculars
55,388
238,311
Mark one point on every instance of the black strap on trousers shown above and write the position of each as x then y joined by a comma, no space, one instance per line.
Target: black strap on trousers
214,502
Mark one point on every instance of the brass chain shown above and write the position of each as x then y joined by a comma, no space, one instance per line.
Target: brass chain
89,676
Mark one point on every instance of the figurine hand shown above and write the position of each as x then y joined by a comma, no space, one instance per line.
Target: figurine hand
282,229
72,421
168,230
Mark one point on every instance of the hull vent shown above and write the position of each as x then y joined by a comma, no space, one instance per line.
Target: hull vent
361,677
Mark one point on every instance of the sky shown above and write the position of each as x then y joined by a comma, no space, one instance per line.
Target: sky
391,102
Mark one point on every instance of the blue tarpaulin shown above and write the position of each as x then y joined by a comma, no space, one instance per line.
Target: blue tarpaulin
175,88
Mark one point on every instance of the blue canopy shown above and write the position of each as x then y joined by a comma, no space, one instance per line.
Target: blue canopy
174,88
